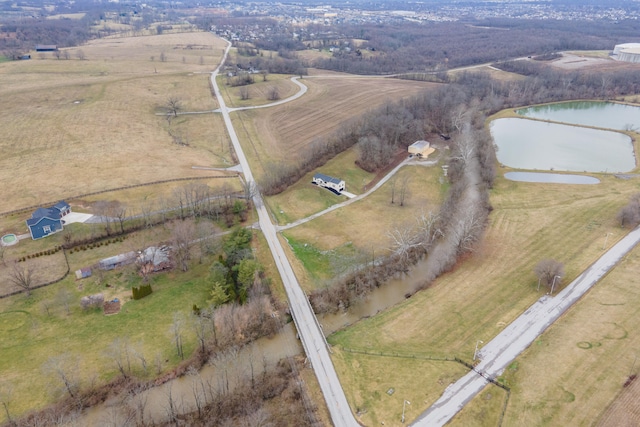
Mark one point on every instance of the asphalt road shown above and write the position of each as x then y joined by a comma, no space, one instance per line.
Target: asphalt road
496,355
309,329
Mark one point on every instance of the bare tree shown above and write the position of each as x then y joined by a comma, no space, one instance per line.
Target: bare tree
64,369
547,270
80,55
182,236
404,189
119,352
173,105
177,328
163,57
467,228
22,276
273,94
120,213
6,395
63,298
403,240
392,182
244,93
629,215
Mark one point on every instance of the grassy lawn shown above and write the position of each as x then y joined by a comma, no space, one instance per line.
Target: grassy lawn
377,398
361,227
51,321
258,91
576,369
484,410
31,336
303,198
530,222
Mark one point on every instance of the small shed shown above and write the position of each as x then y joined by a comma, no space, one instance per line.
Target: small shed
83,273
421,149
336,185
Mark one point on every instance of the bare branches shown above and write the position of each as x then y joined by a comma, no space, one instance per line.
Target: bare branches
548,270
63,369
173,106
23,277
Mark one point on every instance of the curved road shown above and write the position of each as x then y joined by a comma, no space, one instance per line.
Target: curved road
311,335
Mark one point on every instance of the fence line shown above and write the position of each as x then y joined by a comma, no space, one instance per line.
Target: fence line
126,187
445,359
66,273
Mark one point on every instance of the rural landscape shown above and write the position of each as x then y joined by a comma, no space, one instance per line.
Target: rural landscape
258,215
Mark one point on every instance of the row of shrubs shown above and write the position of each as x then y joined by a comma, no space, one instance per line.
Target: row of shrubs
41,253
97,244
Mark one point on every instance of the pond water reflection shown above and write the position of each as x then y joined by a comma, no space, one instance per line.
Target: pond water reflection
531,144
607,115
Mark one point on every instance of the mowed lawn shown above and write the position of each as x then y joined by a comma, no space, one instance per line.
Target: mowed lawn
488,290
353,234
75,126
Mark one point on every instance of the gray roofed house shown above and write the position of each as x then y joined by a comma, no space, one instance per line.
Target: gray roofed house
336,185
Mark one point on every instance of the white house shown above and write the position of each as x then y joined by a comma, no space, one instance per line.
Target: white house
330,183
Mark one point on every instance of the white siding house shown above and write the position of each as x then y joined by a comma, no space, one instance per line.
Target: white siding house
334,184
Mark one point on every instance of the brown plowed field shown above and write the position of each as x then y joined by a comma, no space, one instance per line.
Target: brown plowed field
288,129
625,410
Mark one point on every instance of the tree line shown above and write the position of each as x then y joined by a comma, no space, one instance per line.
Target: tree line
461,108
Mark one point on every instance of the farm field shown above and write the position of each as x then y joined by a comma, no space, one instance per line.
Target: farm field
281,133
56,130
258,91
530,222
593,349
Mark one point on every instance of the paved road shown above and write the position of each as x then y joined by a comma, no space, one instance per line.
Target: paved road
311,335
515,338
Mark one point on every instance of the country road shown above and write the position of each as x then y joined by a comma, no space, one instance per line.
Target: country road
496,355
309,330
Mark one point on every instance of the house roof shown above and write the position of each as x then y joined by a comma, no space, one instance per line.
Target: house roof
122,258
52,212
327,178
61,205
46,213
33,221
420,144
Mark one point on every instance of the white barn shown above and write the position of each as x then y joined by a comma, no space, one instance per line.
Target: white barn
336,185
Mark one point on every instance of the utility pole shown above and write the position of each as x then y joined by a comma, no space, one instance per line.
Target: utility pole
554,283
475,353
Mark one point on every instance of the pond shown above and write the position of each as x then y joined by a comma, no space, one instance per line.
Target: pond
532,144
551,178
607,115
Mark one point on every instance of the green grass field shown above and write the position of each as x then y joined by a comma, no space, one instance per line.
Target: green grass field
530,222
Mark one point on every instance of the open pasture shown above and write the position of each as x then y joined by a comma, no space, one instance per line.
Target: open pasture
475,301
76,126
